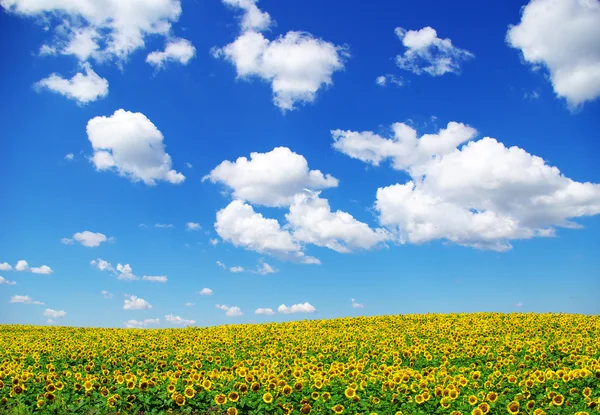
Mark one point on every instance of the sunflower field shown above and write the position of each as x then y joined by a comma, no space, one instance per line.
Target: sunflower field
485,363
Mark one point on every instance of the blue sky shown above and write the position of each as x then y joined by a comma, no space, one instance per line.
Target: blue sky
461,222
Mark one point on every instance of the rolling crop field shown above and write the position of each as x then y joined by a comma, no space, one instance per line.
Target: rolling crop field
485,363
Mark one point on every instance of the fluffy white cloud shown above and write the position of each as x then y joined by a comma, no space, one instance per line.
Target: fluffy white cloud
385,80
240,225
102,29
135,303
270,179
473,193
311,220
106,294
236,269
177,50
296,65
4,281
130,144
87,238
425,52
357,305
297,308
192,226
5,266
205,291
23,266
125,272
102,265
231,311
253,18
564,37
178,320
83,87
140,324
25,299
264,311
54,313
158,278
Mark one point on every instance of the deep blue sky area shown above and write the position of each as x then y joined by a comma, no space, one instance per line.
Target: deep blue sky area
208,113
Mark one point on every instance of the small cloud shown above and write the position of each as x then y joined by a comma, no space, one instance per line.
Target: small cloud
54,313
531,95
214,242
385,80
205,291
125,272
69,157
4,281
189,304
135,303
141,324
188,165
67,241
357,305
24,299
89,239
222,265
192,226
5,266
233,311
44,269
264,311
263,268
106,294
296,308
22,266
236,269
143,225
178,320
164,225
158,278
519,304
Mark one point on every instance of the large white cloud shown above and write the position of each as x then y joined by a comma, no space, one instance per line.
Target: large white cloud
480,193
5,266
425,52
130,144
90,239
240,225
270,179
82,87
177,50
564,37
100,29
312,221
135,303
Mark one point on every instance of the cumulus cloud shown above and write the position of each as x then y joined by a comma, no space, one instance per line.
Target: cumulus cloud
270,179
102,265
562,36
158,278
230,311
5,266
4,281
205,291
130,144
23,266
134,303
176,50
297,308
263,268
125,272
99,29
241,226
25,299
252,18
141,324
86,238
106,294
472,193
192,226
83,87
427,53
54,313
236,269
69,157
357,305
264,311
178,320
311,220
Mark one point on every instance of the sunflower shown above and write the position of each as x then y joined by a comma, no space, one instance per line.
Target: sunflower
558,400
267,398
326,396
143,385
314,395
243,388
477,411
492,397
472,400
171,388
88,386
287,389
233,396
104,392
350,393
419,399
180,400
220,399
17,390
338,409
255,387
485,407
513,407
445,402
189,392
206,384
131,385
232,411
298,386
40,403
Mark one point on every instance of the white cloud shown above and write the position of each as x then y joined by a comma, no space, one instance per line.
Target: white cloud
177,50
178,320
135,303
473,193
214,242
87,238
130,144
139,324
311,221
54,313
4,281
125,272
69,157
5,266
264,311
67,241
83,87
188,165
236,269
240,225
221,265
205,291
192,226
143,225
106,294
159,278
385,80
99,29
25,299
425,52
296,308
189,304
253,18
357,305
164,225
231,311
102,265
23,266
270,179
263,268
564,37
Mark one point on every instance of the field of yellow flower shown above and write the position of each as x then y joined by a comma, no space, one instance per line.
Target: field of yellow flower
477,364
